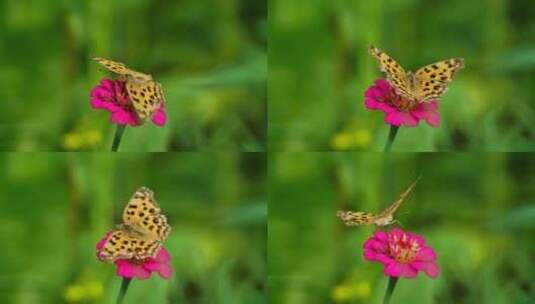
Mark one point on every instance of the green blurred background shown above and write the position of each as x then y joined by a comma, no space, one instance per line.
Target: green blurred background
476,211
209,56
319,69
54,207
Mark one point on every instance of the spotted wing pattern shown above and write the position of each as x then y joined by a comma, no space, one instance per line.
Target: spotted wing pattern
395,74
432,80
143,230
145,94
146,97
351,218
428,83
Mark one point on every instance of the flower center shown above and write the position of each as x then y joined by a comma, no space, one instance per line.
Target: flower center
399,102
403,249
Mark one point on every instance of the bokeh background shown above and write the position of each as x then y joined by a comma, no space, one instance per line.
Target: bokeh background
476,210
319,69
54,207
208,55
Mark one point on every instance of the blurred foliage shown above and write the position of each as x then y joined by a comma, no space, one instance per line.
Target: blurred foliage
209,56
319,69
54,207
476,211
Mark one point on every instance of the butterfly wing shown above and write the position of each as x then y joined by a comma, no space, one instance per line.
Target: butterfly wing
121,70
395,74
126,244
432,80
143,215
146,97
351,218
389,211
113,66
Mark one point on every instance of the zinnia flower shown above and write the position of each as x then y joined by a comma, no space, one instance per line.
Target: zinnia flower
111,95
403,254
399,111
141,269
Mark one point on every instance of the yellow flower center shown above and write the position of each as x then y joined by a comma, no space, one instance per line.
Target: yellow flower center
403,250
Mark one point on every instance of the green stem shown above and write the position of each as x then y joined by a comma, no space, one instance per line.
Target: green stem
391,136
390,289
117,137
122,292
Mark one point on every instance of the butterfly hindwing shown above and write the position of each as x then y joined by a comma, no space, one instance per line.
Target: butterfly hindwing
127,244
146,97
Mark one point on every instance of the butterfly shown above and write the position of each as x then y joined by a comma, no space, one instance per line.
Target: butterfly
142,232
351,218
145,93
428,83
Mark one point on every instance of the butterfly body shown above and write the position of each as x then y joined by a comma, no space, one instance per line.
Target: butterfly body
145,94
142,232
426,84
385,218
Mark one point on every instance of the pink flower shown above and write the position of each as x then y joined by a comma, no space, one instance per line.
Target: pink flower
111,95
141,269
399,111
403,254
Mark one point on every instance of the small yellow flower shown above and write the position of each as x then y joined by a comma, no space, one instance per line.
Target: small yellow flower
78,140
347,140
84,292
348,291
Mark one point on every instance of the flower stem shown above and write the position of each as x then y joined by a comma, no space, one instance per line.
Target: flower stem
117,137
122,292
390,289
391,136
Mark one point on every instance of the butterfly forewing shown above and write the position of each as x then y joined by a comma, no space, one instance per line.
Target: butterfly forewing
389,211
143,214
395,74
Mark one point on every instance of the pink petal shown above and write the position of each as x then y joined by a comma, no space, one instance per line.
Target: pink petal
408,272
98,103
122,117
370,255
125,269
375,245
426,254
373,104
393,269
431,269
103,241
428,112
163,256
380,235
141,273
383,258
159,118
165,271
